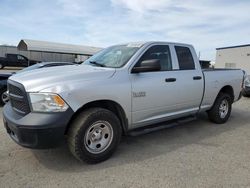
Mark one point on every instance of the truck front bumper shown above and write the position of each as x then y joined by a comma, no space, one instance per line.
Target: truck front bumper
36,130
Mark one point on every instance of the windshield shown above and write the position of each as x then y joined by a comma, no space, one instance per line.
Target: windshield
114,57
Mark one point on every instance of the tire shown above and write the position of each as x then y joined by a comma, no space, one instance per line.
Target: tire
245,94
94,135
1,66
3,96
221,110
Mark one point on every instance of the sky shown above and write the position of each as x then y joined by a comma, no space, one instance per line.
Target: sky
207,24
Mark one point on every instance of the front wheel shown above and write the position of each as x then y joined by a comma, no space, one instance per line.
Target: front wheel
4,97
94,135
221,110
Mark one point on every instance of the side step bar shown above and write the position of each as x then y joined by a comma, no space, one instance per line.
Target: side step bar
160,126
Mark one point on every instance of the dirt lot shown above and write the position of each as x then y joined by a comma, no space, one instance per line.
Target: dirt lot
9,70
196,154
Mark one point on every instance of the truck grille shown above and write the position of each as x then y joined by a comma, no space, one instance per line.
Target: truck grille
18,98
15,90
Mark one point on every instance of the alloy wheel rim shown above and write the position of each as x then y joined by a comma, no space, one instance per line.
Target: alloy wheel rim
98,137
5,97
223,109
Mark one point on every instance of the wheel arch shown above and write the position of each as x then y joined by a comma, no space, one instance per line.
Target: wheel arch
225,89
228,90
113,106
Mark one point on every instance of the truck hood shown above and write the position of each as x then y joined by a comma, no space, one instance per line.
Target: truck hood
39,79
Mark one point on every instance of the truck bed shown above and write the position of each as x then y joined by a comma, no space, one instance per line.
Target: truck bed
215,79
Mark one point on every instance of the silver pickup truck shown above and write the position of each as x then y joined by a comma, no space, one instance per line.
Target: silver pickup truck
120,90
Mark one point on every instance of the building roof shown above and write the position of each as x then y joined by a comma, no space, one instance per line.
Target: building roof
239,46
44,46
6,45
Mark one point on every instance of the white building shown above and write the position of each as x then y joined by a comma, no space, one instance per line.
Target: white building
234,57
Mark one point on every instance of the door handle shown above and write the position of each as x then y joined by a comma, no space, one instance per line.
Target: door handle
170,79
197,78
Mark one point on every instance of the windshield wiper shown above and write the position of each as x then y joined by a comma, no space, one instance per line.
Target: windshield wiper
97,64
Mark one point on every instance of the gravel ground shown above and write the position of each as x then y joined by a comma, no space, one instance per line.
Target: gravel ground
195,154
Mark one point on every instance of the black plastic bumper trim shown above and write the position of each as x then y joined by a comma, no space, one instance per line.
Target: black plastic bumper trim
36,130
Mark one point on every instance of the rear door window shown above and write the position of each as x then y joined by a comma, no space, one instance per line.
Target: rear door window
21,58
185,58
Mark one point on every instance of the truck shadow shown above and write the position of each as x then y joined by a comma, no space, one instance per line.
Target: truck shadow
137,149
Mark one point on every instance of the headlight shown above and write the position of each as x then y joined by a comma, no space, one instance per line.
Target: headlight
47,102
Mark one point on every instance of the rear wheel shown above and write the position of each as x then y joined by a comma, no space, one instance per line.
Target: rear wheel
221,110
94,135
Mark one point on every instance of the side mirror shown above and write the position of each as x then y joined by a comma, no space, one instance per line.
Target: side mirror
150,65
